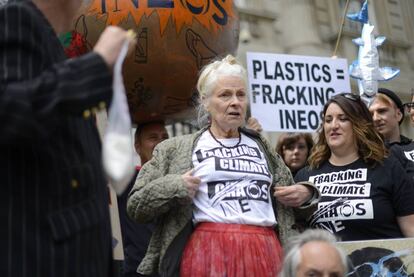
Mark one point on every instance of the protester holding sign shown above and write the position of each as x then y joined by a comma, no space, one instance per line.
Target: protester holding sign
295,149
365,195
221,181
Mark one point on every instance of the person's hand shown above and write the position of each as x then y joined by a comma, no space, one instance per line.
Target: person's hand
253,123
293,196
110,43
191,183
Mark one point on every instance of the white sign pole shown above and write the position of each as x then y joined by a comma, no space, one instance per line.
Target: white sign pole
117,244
288,92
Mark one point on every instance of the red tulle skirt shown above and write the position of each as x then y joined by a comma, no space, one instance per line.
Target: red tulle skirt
231,250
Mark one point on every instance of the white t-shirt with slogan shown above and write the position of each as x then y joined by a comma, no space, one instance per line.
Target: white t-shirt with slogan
235,182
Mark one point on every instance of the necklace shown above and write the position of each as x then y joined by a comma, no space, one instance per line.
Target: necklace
221,144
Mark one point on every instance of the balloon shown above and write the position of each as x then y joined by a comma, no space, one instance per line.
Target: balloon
175,39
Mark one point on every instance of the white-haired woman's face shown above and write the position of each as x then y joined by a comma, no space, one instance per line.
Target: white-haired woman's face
227,103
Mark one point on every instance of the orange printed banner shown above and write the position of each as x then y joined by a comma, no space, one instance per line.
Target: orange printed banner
212,14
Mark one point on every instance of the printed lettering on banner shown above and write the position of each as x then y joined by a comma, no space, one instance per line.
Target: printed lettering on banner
287,92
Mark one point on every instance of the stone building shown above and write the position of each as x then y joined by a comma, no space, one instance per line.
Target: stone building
310,27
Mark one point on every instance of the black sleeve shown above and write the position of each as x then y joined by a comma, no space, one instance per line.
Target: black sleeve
402,190
398,152
302,175
34,91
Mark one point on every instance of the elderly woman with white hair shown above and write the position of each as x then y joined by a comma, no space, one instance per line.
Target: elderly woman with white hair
217,196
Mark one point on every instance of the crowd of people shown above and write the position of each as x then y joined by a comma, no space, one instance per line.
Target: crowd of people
364,184
219,202
210,193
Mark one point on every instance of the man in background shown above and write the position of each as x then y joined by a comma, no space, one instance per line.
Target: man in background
54,199
387,111
136,236
314,253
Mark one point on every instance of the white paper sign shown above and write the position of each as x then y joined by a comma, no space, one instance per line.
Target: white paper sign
288,92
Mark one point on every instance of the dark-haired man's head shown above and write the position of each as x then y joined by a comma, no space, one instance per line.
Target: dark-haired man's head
147,136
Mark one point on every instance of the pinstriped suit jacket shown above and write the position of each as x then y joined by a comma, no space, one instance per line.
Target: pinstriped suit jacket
53,199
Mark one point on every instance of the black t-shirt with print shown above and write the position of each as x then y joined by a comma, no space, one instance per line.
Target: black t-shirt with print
358,202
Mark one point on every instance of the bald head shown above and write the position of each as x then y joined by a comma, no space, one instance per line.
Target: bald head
321,259
314,253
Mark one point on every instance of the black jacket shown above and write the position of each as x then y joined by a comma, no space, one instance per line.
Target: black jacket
54,200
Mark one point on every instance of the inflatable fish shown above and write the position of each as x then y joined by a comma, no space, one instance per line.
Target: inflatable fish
366,68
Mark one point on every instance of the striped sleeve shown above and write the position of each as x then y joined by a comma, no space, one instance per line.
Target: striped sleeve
33,97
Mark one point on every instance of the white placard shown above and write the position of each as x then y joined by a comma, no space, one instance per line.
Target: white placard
288,92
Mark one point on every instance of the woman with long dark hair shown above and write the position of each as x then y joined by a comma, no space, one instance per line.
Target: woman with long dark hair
365,194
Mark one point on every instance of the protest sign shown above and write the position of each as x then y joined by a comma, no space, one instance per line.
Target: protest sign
388,257
287,92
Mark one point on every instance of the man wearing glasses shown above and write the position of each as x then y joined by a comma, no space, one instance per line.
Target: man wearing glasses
387,111
409,107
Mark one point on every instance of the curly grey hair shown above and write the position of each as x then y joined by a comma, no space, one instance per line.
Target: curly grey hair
293,250
228,66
